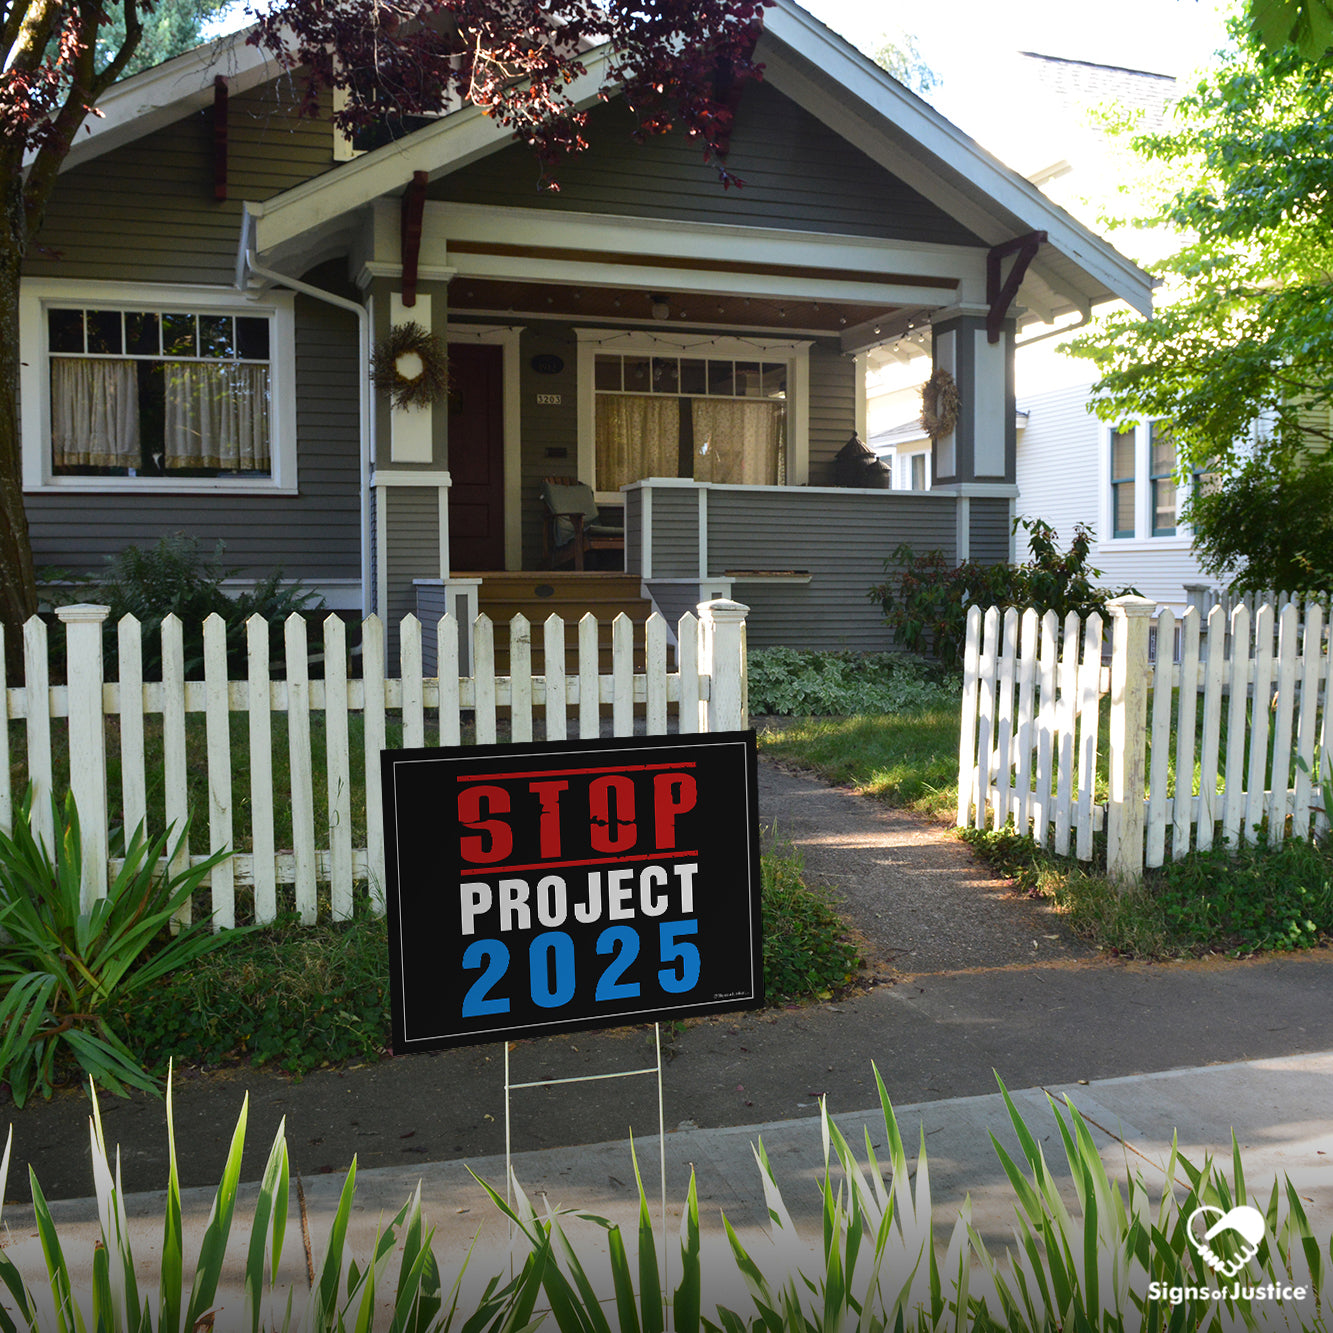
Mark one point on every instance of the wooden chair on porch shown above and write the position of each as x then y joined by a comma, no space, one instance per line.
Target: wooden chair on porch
573,525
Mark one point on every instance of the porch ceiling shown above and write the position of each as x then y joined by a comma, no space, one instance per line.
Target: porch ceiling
622,304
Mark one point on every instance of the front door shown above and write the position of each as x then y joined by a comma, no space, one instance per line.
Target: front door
476,457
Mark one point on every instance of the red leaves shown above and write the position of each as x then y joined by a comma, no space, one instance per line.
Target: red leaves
678,63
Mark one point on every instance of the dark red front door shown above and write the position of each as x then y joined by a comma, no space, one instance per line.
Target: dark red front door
476,457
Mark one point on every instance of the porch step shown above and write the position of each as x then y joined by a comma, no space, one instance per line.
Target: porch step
569,595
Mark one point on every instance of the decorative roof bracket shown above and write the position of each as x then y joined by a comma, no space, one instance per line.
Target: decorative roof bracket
413,210
1000,295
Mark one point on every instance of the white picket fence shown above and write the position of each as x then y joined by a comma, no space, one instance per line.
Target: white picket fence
1235,710
703,690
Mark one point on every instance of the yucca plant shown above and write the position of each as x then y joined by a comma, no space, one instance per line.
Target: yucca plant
344,1297
66,971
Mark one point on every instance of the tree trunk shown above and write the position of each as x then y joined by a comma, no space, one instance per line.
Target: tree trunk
18,584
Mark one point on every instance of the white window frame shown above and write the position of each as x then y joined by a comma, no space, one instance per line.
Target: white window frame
1143,538
37,296
794,354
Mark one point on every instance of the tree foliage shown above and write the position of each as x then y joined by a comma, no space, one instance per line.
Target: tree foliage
1238,354
678,64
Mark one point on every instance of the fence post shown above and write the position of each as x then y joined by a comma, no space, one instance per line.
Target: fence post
1128,738
87,740
722,659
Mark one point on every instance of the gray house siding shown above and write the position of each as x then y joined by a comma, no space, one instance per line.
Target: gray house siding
841,539
675,533
412,516
767,539
312,535
152,200
988,531
797,173
832,408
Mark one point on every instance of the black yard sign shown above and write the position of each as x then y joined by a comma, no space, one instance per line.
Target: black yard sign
536,888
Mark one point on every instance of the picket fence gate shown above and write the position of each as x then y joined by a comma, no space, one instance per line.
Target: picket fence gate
1245,720
706,691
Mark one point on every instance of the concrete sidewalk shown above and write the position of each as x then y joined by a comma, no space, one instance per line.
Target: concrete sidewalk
1280,1111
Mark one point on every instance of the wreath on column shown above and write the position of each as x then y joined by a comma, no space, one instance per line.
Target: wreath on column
939,403
411,365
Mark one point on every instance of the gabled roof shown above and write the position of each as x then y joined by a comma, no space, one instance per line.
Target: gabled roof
803,59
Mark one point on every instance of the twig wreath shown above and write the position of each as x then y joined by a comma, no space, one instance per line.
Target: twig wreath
411,365
939,403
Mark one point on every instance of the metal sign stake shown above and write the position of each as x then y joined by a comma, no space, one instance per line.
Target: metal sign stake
594,1078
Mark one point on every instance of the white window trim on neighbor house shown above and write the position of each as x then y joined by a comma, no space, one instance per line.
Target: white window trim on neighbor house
795,354
38,295
1143,539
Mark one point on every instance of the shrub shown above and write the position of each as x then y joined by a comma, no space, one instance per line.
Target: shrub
175,577
925,599
64,970
842,684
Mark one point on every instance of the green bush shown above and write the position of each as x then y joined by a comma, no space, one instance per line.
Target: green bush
175,577
926,600
842,684
65,971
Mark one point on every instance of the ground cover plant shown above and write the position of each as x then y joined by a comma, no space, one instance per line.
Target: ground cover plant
1101,1253
1237,900
787,681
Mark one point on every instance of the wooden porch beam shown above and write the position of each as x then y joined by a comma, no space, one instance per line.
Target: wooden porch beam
413,210
1000,295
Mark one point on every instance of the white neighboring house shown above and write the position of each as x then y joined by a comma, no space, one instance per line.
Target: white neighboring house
1071,467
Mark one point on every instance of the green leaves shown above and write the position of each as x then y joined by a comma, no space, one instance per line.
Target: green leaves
65,971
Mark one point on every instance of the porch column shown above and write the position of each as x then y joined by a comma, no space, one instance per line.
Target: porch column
976,459
410,477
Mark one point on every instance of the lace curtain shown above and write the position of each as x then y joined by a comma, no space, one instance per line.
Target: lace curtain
94,413
739,440
638,436
217,416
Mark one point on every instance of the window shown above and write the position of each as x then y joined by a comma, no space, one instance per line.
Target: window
918,472
704,418
691,407
156,393
1162,475
1122,482
156,388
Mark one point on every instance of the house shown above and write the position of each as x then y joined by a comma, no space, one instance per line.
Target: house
695,354
1070,466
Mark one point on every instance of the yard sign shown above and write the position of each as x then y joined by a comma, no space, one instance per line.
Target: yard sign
542,887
